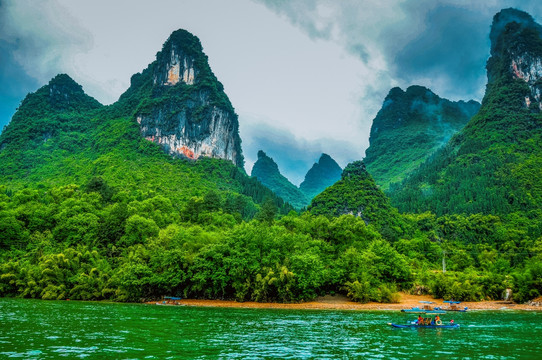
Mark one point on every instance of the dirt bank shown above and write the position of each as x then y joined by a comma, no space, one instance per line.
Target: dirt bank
340,302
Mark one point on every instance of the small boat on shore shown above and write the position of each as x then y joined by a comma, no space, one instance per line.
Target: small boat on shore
453,306
425,309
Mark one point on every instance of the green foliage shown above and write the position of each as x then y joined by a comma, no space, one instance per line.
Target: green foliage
267,172
357,194
489,166
411,126
90,210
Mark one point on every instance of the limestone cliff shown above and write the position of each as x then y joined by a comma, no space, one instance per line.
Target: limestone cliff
491,165
514,51
181,105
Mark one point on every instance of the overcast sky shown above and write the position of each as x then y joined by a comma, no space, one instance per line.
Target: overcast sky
305,76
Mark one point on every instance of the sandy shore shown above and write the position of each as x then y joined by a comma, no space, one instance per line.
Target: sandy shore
340,302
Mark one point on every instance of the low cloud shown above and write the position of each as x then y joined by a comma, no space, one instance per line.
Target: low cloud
42,36
439,44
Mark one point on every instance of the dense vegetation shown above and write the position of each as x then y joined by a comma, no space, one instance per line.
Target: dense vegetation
91,210
409,128
321,175
493,165
102,242
267,172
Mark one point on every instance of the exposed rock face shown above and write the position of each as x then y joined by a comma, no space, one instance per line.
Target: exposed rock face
513,34
267,172
177,127
411,126
529,68
490,165
186,110
322,174
180,68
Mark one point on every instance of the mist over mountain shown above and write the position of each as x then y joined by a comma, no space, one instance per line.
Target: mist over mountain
409,128
489,166
322,174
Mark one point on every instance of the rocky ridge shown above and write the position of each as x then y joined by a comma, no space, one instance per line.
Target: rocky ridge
184,108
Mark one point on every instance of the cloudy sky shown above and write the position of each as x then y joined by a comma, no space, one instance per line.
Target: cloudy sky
305,76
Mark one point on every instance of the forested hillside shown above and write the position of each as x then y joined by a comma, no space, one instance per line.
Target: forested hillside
268,173
409,128
493,165
92,209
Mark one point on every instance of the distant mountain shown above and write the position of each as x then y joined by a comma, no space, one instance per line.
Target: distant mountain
268,173
322,174
411,126
494,164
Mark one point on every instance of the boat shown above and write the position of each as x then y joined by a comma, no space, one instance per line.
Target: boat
433,326
453,306
426,309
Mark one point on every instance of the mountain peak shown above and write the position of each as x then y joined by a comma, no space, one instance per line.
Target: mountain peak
411,126
325,158
181,60
322,174
179,104
356,168
264,161
502,23
516,53
357,194
66,82
266,170
66,93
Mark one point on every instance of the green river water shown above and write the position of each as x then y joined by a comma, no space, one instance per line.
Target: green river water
34,329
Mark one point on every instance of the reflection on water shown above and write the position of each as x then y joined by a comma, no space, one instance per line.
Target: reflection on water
33,329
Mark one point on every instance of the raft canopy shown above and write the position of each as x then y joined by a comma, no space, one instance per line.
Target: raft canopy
452,302
171,298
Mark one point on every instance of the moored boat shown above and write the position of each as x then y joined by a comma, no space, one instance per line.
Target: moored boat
426,309
453,306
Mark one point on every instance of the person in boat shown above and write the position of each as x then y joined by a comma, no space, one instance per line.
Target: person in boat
437,320
420,320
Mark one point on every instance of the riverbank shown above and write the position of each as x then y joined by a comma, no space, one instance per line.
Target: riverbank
340,302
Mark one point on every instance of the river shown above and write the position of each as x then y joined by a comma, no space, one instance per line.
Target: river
36,329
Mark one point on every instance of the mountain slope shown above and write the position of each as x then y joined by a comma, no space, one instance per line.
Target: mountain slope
357,194
493,164
60,136
267,172
179,103
411,126
322,174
